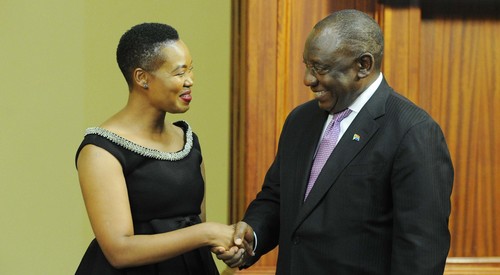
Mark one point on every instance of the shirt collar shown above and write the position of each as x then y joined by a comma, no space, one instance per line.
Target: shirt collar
366,95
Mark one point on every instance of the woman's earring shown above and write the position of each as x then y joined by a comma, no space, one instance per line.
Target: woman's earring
145,85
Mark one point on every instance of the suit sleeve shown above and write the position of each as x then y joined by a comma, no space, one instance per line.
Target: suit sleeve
422,180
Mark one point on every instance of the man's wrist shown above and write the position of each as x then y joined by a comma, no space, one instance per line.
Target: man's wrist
254,242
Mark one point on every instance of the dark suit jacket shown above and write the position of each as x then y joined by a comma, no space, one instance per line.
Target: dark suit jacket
380,205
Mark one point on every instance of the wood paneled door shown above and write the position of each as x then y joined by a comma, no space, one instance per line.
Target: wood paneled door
441,54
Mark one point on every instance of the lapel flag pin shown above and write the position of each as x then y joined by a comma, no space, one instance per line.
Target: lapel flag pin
356,137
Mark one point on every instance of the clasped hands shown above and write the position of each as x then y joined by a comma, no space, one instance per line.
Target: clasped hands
242,249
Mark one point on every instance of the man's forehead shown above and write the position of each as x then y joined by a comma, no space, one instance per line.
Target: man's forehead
322,41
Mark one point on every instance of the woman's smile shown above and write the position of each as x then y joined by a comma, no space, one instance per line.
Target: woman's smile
186,96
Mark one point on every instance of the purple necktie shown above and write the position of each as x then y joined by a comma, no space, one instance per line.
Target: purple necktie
326,147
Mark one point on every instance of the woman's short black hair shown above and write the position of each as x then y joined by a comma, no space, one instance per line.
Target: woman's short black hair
140,47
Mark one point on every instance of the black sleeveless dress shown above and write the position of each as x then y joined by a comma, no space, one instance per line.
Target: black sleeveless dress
165,192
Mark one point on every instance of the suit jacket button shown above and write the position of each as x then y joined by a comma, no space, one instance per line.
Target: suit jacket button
296,240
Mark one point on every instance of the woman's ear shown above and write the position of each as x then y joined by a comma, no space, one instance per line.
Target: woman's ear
140,78
366,64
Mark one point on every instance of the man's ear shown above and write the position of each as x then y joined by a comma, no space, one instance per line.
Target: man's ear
366,63
140,77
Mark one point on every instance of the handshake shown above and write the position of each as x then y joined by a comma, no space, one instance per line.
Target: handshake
233,244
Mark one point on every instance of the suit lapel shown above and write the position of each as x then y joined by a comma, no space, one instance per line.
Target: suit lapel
305,153
365,126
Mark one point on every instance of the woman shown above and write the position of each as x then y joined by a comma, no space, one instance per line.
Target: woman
142,178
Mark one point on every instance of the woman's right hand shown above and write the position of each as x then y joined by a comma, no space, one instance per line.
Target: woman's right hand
243,247
219,235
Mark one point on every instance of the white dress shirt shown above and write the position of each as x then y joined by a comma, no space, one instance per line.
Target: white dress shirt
355,107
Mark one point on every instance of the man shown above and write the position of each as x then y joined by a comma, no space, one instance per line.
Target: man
381,202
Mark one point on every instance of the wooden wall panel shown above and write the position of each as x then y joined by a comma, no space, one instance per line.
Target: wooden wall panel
461,89
443,58
368,6
401,27
254,84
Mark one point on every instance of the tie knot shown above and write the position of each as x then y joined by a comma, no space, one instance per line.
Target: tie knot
338,117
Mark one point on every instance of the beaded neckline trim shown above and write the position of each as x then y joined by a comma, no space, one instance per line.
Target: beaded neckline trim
144,151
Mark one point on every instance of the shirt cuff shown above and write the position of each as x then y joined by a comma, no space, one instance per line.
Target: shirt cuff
254,242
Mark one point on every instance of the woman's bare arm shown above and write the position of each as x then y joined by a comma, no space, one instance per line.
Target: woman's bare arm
106,199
